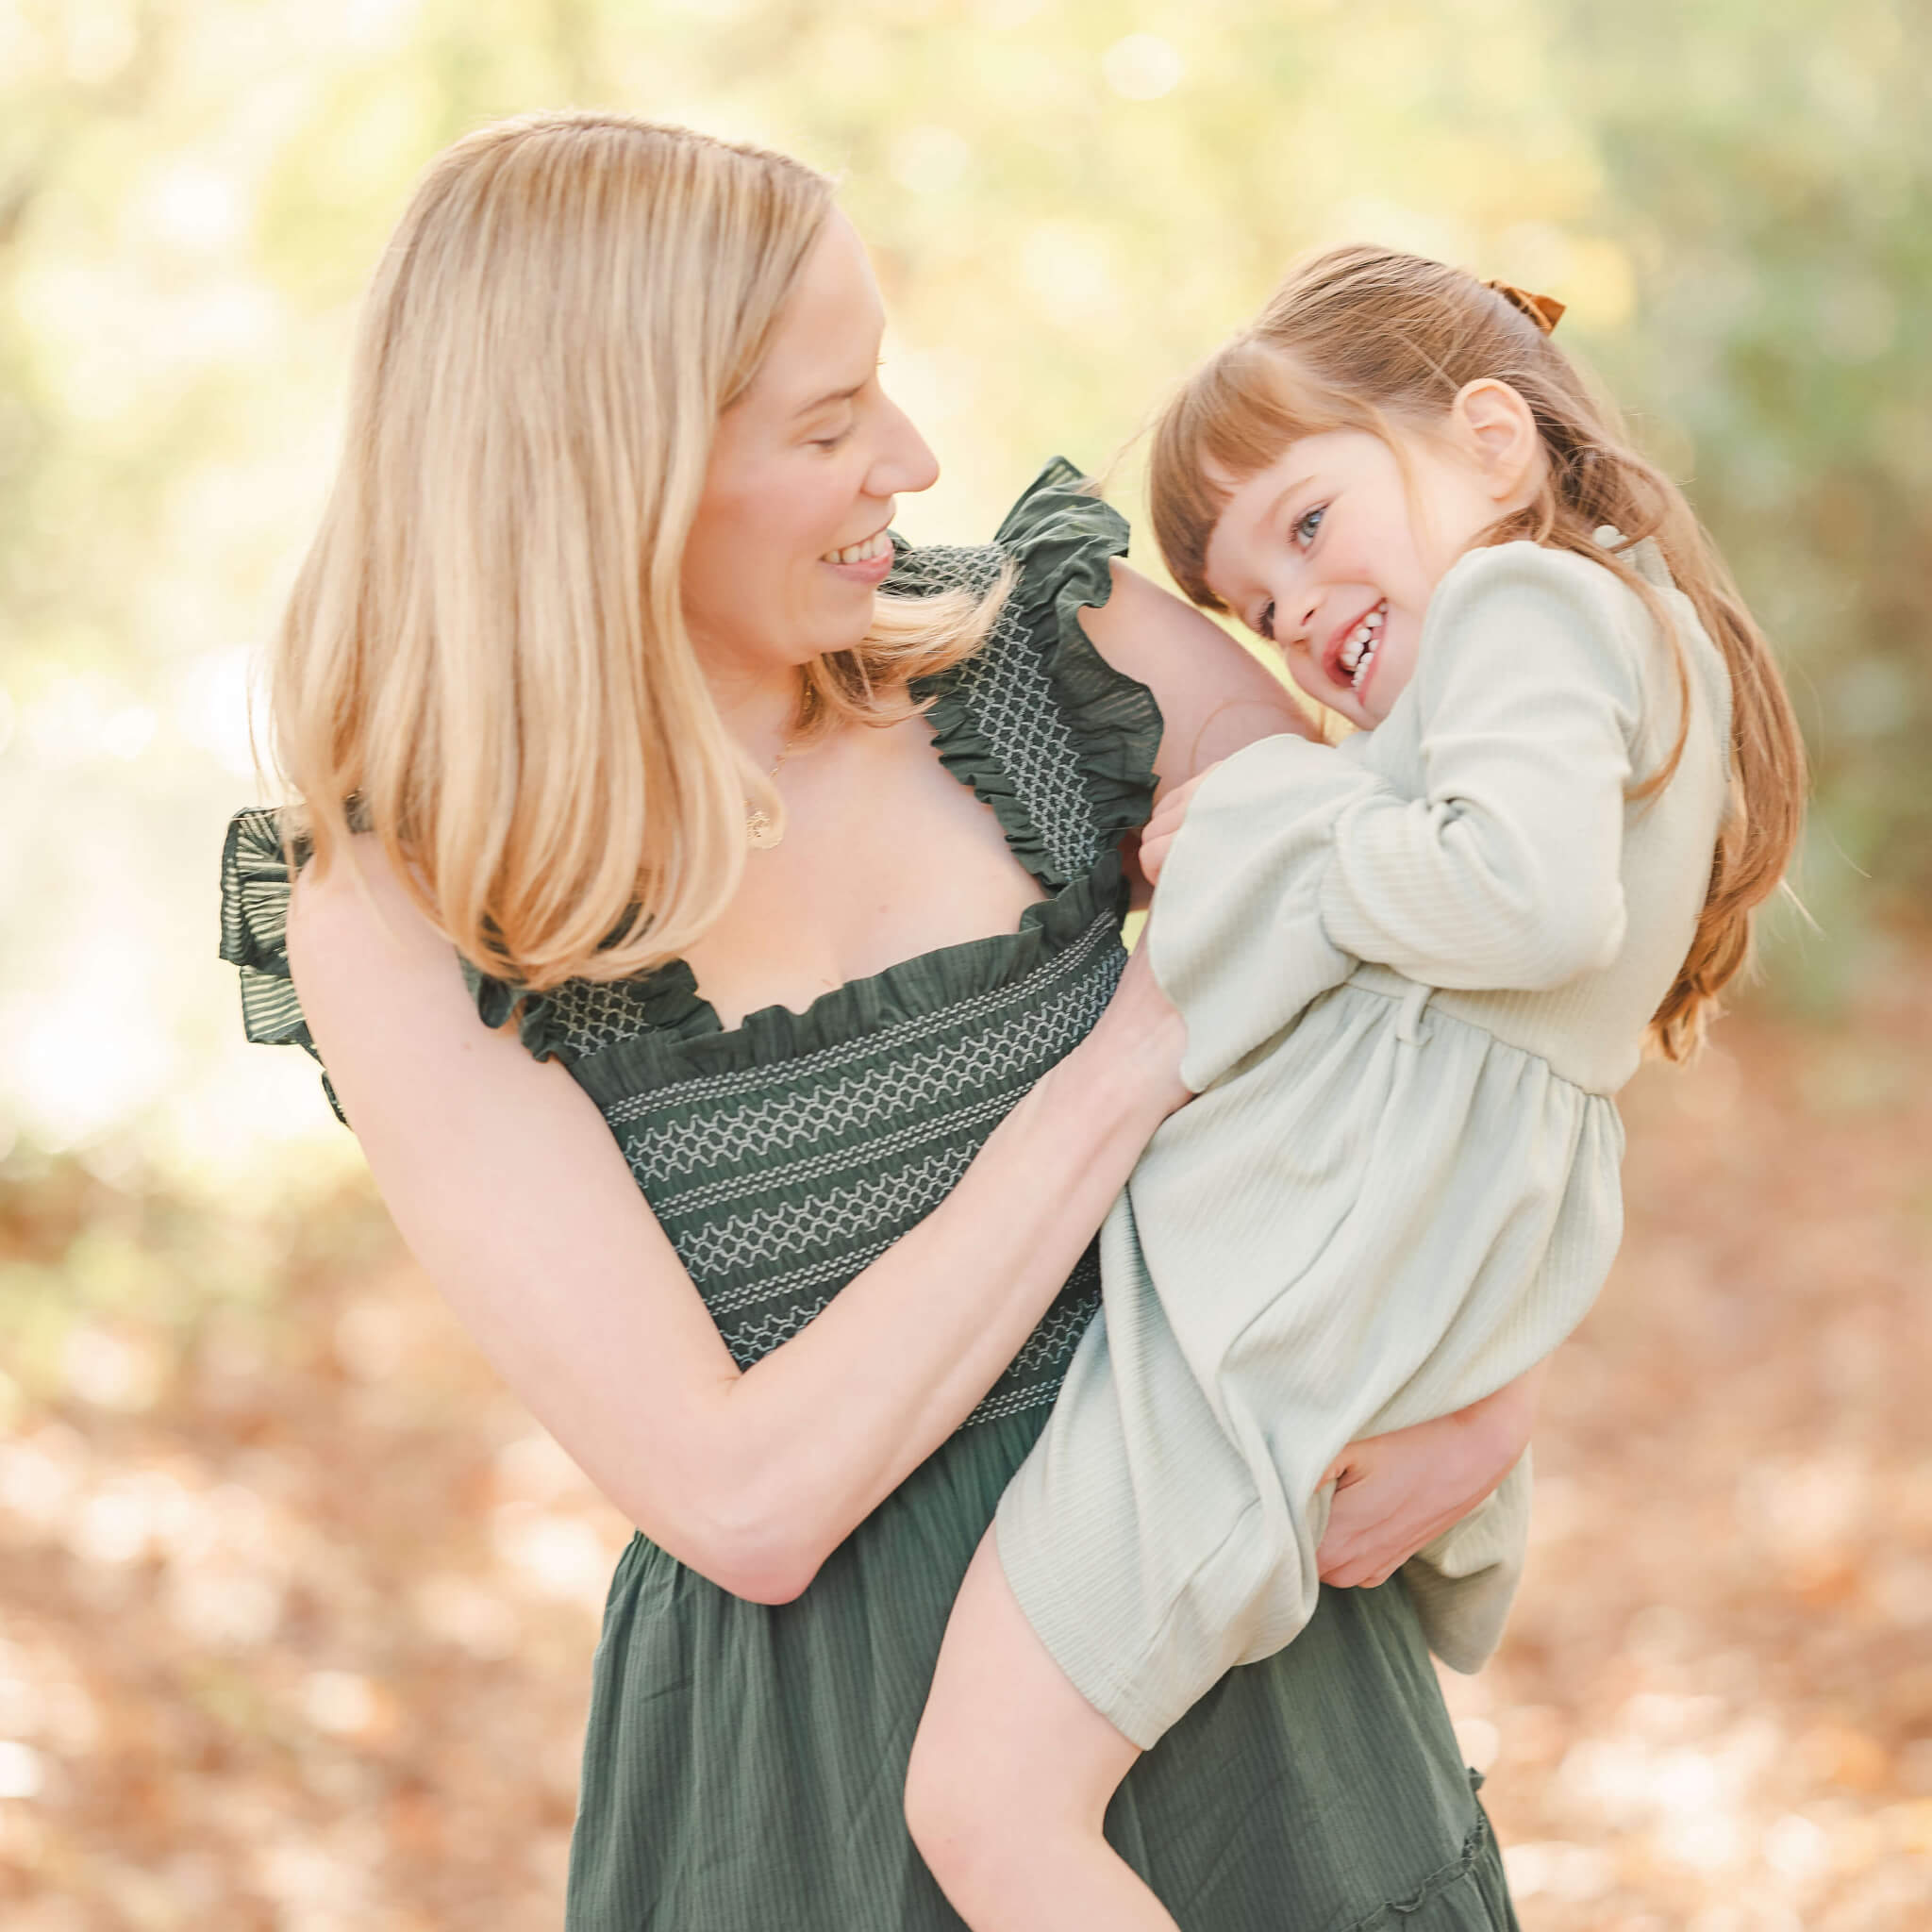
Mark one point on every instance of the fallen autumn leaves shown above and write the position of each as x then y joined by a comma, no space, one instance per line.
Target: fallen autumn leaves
298,1604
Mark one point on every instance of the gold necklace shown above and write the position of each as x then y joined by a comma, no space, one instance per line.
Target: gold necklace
761,830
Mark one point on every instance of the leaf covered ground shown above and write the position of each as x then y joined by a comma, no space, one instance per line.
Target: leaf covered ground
297,1604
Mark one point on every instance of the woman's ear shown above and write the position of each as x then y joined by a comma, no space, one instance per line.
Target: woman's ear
1497,429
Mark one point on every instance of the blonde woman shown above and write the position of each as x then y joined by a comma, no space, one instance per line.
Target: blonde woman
707,912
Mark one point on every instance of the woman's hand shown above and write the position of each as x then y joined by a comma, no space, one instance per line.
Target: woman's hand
1139,1040
1158,835
1395,1492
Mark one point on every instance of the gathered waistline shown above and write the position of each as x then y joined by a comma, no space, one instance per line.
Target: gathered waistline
1417,998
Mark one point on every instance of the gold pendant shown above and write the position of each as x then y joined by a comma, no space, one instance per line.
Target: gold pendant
762,830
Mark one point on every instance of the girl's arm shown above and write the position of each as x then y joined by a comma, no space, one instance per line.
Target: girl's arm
507,1184
1497,867
1507,872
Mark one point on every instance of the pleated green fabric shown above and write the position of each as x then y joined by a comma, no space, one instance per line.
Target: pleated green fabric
744,1764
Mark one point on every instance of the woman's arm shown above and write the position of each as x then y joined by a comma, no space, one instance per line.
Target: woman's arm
1214,696
507,1186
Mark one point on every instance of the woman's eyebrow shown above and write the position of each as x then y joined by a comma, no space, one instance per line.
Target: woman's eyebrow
836,396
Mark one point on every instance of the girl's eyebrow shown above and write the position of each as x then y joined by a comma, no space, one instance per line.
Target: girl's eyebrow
1276,506
1308,480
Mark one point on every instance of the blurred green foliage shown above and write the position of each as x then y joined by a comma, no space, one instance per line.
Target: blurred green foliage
1068,200
299,1650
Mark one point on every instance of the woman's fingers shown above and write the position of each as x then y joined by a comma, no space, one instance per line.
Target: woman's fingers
1398,1491
1164,821
1155,842
1364,1563
1154,856
1392,1494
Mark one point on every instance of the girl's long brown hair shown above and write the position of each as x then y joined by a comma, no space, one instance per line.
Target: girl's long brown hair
1363,337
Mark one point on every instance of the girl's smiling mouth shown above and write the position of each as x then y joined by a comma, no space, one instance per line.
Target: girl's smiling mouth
1352,652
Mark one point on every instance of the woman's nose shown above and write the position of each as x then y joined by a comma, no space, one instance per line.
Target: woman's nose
904,464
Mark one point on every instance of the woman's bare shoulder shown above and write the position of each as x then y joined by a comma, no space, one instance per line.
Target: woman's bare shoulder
383,989
355,913
1214,696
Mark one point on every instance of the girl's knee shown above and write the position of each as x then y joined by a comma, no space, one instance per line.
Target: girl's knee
948,1818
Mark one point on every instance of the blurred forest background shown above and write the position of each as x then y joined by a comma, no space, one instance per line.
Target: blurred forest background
297,1605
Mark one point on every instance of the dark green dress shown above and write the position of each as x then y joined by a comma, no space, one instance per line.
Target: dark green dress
745,1764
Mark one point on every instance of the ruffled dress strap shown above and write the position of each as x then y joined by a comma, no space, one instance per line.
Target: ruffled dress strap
1056,741
583,1017
258,875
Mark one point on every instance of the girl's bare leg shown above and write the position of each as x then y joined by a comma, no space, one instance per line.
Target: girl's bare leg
1011,1773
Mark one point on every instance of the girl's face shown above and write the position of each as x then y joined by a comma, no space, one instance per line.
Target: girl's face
790,539
1332,553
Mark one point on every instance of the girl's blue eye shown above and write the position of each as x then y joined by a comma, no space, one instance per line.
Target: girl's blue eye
1307,523
1264,624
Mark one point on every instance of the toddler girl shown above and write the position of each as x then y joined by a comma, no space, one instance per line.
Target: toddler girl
1414,969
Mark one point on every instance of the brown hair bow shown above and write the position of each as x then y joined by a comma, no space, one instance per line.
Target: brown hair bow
1544,310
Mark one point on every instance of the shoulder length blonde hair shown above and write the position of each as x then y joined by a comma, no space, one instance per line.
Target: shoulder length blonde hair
484,659
1361,338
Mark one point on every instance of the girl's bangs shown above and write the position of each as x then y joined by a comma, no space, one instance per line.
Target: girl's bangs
1233,418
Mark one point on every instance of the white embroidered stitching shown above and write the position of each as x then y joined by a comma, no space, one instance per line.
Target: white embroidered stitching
1028,1041
886,1039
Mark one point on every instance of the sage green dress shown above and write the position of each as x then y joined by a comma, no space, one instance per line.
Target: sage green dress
745,1764
1414,968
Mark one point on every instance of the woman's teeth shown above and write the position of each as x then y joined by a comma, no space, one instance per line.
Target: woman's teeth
1358,650
875,546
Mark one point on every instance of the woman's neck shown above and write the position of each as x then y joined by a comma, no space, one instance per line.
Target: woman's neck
761,709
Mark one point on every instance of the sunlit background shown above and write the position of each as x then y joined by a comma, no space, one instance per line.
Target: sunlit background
296,1605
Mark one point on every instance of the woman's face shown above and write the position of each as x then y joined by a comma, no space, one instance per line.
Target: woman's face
790,539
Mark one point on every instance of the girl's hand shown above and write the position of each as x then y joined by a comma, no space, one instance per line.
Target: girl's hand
1395,1492
1158,835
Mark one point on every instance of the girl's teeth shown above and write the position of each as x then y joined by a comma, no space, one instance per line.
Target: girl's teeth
1360,651
875,546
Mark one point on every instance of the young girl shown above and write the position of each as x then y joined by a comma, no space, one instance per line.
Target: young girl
1414,969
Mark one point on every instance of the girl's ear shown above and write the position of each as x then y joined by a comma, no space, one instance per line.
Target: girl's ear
1495,426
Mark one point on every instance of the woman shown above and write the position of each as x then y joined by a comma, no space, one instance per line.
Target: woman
775,1204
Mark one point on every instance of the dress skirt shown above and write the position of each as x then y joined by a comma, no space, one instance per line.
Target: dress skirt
744,1766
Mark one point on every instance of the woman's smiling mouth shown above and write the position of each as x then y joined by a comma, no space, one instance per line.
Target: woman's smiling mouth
874,547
